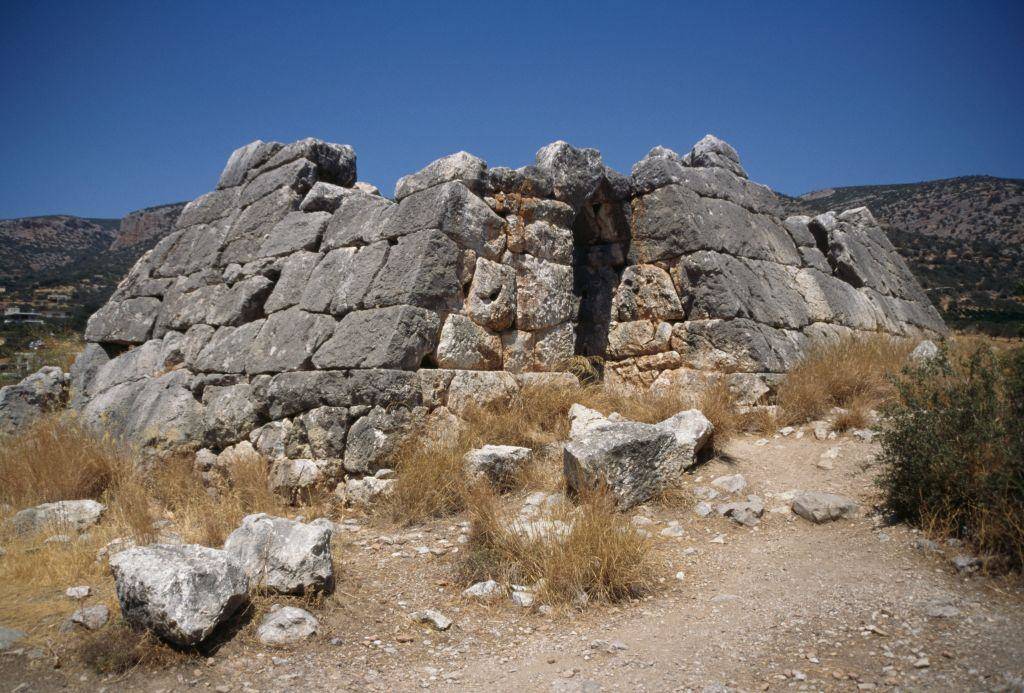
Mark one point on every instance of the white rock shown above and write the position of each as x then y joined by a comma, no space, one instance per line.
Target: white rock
498,464
80,592
483,590
286,625
432,617
75,515
523,598
181,593
91,617
732,483
282,555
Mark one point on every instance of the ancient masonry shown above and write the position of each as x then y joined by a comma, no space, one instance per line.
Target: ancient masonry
301,311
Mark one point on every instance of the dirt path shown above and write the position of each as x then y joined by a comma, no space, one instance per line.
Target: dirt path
788,605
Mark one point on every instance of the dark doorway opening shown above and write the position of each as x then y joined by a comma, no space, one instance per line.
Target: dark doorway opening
601,236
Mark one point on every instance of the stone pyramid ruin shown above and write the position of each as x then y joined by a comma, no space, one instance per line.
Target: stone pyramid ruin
299,311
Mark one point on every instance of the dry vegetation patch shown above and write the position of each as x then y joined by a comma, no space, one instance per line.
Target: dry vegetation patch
56,458
852,373
431,481
589,551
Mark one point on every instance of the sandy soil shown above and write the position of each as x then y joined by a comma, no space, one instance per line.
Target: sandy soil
787,605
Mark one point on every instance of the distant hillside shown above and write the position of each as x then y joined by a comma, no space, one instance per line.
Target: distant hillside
84,257
963,238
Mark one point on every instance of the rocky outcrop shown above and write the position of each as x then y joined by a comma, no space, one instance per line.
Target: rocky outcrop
39,393
66,515
635,461
296,310
181,593
283,556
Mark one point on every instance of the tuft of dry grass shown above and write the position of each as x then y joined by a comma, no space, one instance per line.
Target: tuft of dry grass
852,373
718,403
56,458
118,649
601,554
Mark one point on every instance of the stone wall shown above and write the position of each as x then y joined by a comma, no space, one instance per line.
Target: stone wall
295,308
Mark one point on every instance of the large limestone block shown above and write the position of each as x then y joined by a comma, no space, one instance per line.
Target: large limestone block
723,286
373,438
396,337
283,556
358,220
737,345
299,176
461,166
659,169
89,362
549,349
340,281
60,516
231,411
544,296
296,479
324,430
196,248
480,389
208,208
297,231
498,464
646,292
238,305
455,211
541,239
287,341
638,338
123,322
182,592
834,301
713,152
297,391
491,301
576,174
253,225
228,349
335,163
466,345
675,220
144,361
244,159
861,254
636,461
325,197
295,276
421,270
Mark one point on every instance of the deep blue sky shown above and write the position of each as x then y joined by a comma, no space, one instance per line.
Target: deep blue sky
108,107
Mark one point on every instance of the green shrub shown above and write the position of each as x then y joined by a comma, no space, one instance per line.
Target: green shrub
953,451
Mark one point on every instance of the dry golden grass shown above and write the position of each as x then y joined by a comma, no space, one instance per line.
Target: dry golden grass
601,554
852,373
430,477
57,459
118,649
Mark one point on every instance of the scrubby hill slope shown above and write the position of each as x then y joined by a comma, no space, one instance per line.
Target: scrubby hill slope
90,255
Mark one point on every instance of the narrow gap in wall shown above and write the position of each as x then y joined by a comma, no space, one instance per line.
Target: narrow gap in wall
601,245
